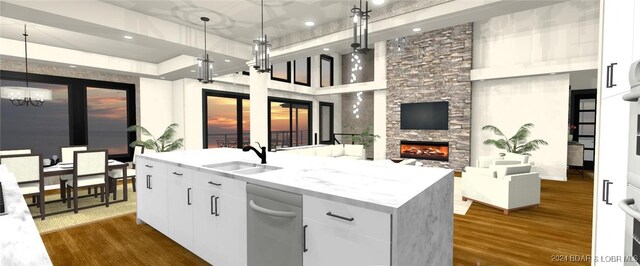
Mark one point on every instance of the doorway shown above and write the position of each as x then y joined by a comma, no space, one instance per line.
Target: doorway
583,123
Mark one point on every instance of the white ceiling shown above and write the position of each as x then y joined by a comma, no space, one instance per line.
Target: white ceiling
240,19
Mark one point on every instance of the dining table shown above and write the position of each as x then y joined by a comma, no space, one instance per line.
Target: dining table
67,169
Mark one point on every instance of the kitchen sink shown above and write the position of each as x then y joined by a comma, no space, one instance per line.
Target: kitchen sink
231,166
243,168
256,170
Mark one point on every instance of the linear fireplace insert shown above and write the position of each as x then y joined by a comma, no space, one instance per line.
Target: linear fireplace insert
426,150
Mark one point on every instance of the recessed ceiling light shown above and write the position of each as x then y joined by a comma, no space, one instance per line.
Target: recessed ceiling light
416,29
193,71
309,23
326,49
215,74
378,2
162,77
72,66
552,73
227,60
128,37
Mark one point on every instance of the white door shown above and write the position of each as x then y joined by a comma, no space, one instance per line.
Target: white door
151,194
179,193
205,222
231,231
612,138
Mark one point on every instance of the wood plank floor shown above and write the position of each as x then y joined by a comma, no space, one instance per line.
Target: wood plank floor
484,236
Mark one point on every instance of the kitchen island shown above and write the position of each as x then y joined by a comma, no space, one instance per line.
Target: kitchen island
354,212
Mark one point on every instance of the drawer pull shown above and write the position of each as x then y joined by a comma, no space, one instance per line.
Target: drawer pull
178,174
148,166
340,217
215,184
216,201
188,196
212,197
304,238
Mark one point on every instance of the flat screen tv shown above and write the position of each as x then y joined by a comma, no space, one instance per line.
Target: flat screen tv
431,116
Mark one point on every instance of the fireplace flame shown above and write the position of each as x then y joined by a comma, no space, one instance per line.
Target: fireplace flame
425,151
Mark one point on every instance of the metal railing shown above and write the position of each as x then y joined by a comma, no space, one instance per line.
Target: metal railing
229,140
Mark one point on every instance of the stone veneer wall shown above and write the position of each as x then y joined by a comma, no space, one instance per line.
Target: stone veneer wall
435,66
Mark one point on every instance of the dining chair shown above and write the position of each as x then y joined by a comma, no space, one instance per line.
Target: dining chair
131,172
15,152
89,170
27,169
66,156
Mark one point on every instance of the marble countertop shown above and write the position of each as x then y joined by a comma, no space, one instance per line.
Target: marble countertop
377,185
20,242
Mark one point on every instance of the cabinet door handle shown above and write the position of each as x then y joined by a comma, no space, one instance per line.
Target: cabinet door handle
304,238
148,166
610,83
215,184
178,174
188,196
605,191
216,203
149,181
340,217
212,197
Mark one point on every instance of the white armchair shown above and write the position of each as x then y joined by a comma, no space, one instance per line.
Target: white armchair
506,187
508,159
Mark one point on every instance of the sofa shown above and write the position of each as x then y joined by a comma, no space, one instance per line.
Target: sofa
506,187
341,151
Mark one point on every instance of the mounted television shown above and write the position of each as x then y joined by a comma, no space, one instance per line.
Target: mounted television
433,116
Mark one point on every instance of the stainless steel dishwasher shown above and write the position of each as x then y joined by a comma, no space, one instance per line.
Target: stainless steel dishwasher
274,227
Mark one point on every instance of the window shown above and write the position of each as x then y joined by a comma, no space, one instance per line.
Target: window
82,112
227,120
326,123
281,72
289,123
107,119
326,71
42,129
302,71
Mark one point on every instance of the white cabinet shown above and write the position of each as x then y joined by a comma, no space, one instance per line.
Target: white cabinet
613,128
180,196
151,194
340,234
219,220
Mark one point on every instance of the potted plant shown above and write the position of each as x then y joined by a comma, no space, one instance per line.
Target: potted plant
366,138
517,143
164,143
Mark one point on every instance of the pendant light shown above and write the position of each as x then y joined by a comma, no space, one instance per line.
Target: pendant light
205,66
262,48
25,96
360,43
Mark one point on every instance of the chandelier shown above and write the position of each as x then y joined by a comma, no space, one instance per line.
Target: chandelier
205,66
360,18
262,48
25,96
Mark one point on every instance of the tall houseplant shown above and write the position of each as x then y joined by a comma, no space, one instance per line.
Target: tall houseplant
516,144
366,138
164,143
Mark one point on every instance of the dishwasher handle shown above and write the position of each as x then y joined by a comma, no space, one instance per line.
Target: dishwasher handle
625,205
270,212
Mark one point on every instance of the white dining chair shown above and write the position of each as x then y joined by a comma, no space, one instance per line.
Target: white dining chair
131,172
15,152
27,169
66,156
89,170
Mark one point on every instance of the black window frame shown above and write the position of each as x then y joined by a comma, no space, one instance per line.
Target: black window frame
289,101
308,82
331,77
288,79
331,122
205,112
77,100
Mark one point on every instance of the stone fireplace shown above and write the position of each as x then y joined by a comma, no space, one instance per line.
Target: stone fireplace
434,67
425,150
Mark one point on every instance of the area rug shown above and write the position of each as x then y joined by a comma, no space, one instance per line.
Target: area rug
66,220
459,207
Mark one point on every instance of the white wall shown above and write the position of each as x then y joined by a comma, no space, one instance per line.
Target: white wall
584,80
156,107
510,103
556,38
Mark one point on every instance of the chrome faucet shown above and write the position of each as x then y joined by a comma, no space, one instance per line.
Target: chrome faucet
262,155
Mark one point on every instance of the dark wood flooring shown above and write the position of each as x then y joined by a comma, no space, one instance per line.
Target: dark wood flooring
484,236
